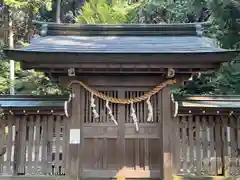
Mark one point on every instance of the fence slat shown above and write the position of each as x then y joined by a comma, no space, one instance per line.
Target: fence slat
57,145
198,146
30,164
2,144
191,144
225,144
184,143
16,145
44,141
205,144
212,164
10,121
37,144
66,139
50,144
22,148
177,146
219,147
233,145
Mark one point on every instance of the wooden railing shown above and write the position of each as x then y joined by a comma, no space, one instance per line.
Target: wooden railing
35,145
207,146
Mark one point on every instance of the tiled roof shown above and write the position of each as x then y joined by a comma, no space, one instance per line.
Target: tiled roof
205,105
123,44
31,102
28,101
138,43
125,38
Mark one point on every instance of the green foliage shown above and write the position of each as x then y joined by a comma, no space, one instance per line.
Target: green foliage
4,73
26,82
225,28
158,12
225,24
199,84
4,78
223,15
28,4
31,82
103,12
170,11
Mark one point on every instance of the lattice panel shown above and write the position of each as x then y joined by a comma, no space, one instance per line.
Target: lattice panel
100,107
142,108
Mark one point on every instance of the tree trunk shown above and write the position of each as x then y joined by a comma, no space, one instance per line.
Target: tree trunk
58,13
11,46
29,32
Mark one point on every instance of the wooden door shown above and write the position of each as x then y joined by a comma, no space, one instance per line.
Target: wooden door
112,150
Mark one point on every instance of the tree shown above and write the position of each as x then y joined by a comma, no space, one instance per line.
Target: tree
69,11
103,12
26,82
58,13
224,26
22,13
173,11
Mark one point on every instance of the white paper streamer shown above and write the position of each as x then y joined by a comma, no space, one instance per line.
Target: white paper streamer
150,111
110,113
66,105
176,109
93,106
175,106
133,114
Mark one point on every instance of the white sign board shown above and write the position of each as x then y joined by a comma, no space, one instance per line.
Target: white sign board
74,136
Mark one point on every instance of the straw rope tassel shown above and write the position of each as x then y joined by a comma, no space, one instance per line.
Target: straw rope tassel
133,114
110,113
93,106
150,111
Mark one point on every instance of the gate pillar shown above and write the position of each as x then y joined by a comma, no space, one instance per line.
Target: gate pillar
167,134
75,141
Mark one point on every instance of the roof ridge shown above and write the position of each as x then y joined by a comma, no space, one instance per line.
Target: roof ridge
177,29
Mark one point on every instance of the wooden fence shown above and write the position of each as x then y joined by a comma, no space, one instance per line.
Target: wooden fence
35,145
207,146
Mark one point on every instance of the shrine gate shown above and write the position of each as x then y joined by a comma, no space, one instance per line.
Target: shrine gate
121,114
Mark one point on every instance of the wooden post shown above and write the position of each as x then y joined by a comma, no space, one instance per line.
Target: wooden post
166,134
121,132
74,154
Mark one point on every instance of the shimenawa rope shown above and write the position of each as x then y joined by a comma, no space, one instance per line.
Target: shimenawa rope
145,96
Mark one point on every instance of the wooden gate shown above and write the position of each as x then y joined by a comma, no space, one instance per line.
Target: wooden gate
112,150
